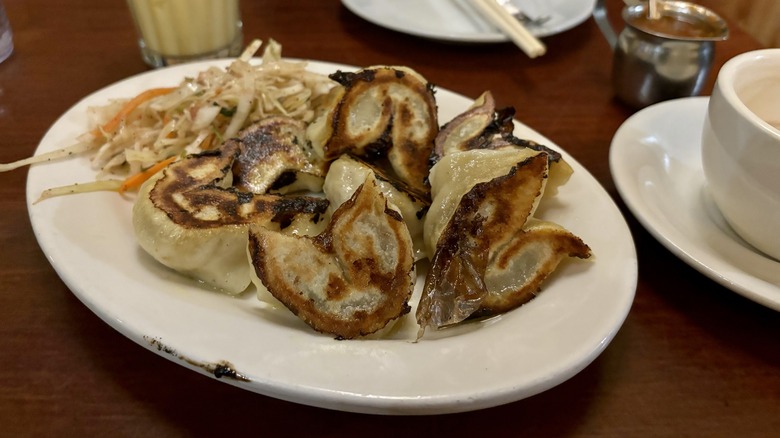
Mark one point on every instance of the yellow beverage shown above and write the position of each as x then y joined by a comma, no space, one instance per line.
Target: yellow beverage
187,28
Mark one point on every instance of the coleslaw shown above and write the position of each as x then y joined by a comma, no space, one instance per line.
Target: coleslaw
131,135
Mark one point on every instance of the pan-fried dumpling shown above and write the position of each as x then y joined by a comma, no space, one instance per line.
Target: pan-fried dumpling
382,114
518,268
273,158
352,279
483,126
473,213
456,174
347,174
461,133
486,255
190,218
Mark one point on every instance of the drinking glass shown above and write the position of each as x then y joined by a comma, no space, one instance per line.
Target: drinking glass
176,31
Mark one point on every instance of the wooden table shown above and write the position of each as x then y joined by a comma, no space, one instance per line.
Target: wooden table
692,359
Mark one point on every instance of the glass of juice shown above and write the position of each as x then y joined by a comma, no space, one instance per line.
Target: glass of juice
176,31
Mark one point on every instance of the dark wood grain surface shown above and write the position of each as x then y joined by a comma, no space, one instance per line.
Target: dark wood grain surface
692,359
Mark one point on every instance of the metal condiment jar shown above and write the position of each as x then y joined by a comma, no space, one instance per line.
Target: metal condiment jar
665,57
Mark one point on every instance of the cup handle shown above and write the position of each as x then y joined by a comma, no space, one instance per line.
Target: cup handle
600,16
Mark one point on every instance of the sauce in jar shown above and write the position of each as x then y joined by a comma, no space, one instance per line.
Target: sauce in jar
675,27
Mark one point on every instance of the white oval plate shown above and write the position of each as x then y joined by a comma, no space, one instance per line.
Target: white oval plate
655,160
457,21
89,240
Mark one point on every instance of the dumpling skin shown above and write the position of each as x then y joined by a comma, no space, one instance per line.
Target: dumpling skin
349,281
489,254
273,158
456,174
460,133
517,269
190,219
483,126
214,256
380,113
471,226
348,173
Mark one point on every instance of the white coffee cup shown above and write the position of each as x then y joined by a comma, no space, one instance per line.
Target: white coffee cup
741,147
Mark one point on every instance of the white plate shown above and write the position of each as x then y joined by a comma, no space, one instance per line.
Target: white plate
456,21
656,164
89,240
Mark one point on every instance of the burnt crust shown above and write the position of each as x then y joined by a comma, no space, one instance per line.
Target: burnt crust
390,137
359,276
191,193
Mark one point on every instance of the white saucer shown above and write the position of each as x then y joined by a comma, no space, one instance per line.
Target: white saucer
656,165
456,21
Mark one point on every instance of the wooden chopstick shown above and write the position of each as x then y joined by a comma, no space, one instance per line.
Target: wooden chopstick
511,27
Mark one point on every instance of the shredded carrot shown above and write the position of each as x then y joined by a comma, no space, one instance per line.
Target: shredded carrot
112,125
134,181
206,144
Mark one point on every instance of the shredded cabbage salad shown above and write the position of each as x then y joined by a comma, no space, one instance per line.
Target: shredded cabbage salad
131,135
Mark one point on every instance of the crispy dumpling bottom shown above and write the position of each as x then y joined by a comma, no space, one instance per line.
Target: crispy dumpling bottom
491,256
350,280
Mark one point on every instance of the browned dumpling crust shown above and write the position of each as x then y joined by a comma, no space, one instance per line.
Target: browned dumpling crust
488,253
384,114
273,158
352,279
347,173
517,270
484,219
191,218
